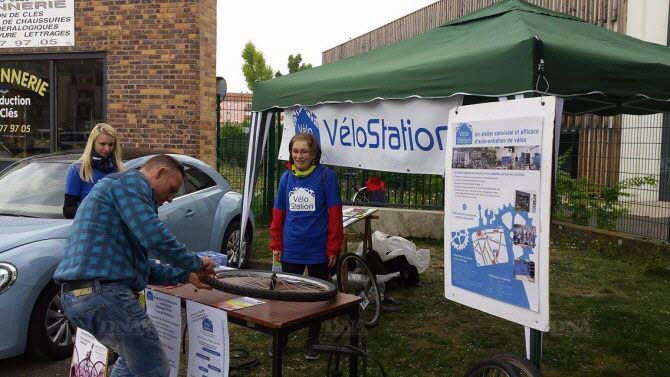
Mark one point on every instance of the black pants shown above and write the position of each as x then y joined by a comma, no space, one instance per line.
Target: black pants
319,271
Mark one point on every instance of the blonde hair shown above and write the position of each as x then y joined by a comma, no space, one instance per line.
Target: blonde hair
85,169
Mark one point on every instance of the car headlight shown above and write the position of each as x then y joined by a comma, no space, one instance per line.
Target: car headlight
7,276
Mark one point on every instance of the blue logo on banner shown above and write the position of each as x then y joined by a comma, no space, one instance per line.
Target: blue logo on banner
305,121
464,134
150,296
207,325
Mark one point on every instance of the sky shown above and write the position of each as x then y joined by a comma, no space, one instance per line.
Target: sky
280,28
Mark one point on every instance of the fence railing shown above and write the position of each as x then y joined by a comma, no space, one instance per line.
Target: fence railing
614,173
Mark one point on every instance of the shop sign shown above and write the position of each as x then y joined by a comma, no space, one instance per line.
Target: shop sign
46,23
14,104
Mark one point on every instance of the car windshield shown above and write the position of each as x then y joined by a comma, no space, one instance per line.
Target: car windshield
34,189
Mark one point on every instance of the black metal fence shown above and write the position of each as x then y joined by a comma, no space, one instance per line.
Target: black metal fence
614,173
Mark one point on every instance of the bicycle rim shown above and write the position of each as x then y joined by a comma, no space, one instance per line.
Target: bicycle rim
355,278
491,368
280,286
522,366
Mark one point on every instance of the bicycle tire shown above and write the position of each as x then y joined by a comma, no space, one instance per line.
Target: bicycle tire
355,277
287,287
491,367
360,196
522,366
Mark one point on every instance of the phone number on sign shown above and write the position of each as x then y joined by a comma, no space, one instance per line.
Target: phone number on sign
30,42
15,128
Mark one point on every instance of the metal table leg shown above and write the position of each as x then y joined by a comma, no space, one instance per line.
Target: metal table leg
353,340
278,338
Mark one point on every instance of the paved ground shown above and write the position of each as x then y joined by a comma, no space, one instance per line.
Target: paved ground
24,367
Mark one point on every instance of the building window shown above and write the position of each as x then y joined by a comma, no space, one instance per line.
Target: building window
48,103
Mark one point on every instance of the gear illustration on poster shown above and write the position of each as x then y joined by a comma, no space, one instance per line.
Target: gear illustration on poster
459,240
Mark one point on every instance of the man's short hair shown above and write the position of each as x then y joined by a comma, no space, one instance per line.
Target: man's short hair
163,160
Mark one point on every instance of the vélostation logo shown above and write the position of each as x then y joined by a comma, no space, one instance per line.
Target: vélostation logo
464,134
305,121
207,325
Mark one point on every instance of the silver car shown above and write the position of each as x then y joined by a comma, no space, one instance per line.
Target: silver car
205,215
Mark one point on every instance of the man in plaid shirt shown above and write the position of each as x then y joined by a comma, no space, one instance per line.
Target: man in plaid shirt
107,260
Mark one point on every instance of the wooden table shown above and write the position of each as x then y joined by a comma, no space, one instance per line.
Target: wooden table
279,318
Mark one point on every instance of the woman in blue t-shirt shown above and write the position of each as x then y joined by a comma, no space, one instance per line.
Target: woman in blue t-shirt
306,230
102,156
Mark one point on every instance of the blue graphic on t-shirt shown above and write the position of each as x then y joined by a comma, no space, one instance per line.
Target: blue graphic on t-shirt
495,280
305,121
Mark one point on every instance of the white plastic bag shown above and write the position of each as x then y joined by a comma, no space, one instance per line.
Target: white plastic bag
389,247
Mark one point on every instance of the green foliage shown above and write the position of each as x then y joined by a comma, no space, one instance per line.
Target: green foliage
295,64
579,201
234,144
255,68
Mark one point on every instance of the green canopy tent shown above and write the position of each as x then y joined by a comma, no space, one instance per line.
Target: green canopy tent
512,47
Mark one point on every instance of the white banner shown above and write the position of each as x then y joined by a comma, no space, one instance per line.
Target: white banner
208,344
25,23
497,208
407,136
165,313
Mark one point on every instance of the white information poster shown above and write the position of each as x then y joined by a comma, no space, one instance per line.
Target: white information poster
208,344
38,23
165,313
407,136
497,208
89,357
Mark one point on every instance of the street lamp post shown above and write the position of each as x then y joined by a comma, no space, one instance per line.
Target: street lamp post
221,89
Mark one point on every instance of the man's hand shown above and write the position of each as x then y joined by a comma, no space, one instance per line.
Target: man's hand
332,259
207,266
196,279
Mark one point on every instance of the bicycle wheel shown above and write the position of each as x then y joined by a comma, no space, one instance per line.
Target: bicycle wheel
360,196
491,368
280,286
522,366
355,278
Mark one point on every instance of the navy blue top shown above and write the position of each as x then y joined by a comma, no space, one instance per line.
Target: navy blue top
74,185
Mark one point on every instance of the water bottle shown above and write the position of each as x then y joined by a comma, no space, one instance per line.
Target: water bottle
276,264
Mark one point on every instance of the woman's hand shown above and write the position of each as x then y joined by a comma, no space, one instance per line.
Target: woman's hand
277,254
332,259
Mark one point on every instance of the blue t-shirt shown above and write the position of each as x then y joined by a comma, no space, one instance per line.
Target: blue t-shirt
306,201
74,185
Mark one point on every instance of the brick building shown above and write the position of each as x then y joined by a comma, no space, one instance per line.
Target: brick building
236,108
146,68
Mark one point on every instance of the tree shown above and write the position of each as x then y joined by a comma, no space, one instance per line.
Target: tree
278,74
255,68
294,64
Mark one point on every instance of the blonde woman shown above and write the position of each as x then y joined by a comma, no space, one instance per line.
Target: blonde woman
102,156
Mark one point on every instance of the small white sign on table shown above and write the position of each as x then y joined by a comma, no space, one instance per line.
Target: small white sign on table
165,313
208,343
89,357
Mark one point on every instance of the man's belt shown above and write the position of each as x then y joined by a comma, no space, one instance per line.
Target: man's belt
81,284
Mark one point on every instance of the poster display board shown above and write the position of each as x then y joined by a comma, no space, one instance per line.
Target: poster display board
407,136
165,313
26,23
497,208
89,357
208,344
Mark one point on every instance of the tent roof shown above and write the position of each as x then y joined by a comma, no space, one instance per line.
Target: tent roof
494,52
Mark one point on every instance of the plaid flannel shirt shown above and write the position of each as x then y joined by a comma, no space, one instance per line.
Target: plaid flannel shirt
115,228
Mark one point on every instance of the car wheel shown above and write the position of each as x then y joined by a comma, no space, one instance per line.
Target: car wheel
231,245
50,333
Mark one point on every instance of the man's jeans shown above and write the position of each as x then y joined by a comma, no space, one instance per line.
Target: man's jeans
112,313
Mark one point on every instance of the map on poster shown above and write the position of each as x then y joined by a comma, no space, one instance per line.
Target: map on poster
89,358
498,184
208,343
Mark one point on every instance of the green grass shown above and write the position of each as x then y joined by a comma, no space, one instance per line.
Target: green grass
610,316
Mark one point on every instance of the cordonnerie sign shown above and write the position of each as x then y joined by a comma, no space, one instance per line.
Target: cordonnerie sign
45,23
23,79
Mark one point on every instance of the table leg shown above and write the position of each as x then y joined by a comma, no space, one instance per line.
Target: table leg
367,244
278,339
353,340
